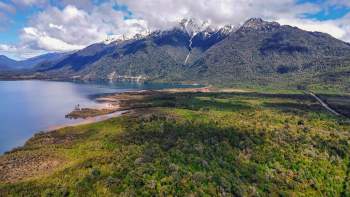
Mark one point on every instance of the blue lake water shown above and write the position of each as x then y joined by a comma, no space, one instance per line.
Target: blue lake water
27,107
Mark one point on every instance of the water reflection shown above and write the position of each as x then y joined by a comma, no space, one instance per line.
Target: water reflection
30,106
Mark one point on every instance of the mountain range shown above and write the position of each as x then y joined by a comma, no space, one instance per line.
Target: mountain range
10,64
256,53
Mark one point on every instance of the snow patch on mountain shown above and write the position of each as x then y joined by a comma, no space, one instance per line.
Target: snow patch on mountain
227,29
191,26
194,27
257,24
125,37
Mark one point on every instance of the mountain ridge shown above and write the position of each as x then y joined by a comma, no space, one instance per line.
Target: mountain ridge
6,63
272,49
10,64
258,52
174,44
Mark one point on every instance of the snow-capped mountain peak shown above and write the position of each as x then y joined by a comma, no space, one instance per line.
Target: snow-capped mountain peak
125,37
227,29
189,25
258,24
193,26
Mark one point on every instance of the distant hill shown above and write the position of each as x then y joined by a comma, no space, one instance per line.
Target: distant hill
10,64
6,63
257,53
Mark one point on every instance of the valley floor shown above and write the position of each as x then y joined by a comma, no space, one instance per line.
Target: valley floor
203,143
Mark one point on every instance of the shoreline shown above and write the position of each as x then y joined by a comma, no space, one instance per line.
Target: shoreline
103,110
88,120
116,102
123,102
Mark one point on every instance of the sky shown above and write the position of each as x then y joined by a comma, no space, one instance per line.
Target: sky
32,27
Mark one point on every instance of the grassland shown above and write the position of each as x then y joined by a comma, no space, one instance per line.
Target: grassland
190,144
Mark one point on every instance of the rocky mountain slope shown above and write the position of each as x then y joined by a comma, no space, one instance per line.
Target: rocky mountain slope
258,53
266,52
159,56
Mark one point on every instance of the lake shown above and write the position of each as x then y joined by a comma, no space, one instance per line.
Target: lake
27,107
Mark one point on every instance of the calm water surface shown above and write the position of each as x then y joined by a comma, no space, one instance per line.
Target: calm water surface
27,107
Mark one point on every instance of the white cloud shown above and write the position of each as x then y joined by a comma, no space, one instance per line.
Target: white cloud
40,40
71,28
338,28
73,24
19,52
344,24
162,13
330,27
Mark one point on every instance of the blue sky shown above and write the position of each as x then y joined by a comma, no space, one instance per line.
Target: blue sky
328,12
17,21
32,27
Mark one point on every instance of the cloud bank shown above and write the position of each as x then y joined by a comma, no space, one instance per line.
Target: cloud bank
73,24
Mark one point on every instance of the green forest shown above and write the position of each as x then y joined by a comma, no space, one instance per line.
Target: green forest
192,144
